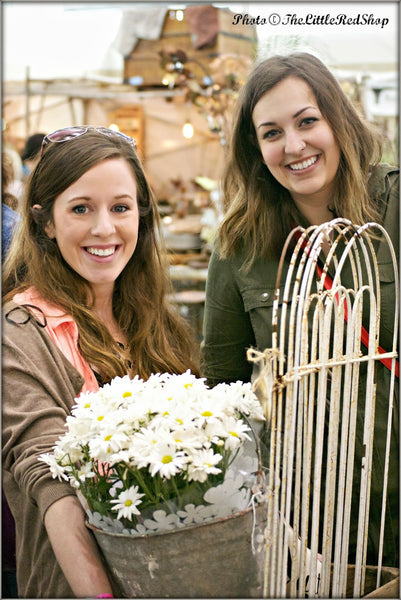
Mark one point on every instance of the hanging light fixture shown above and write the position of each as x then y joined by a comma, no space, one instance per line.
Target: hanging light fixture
187,130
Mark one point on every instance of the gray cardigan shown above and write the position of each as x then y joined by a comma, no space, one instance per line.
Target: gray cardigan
39,387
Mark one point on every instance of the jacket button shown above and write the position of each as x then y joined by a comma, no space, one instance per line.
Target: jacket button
265,296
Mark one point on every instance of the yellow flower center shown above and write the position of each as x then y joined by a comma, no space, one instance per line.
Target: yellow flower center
127,394
167,459
128,502
207,413
107,438
233,433
187,386
179,421
100,418
88,405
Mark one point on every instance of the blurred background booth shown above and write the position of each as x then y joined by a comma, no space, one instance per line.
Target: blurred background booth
169,75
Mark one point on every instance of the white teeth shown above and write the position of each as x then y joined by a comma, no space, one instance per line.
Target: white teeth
304,164
101,252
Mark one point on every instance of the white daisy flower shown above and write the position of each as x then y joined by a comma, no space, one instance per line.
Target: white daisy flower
144,443
85,471
203,463
166,460
67,452
55,469
189,438
236,432
246,401
103,446
126,503
122,456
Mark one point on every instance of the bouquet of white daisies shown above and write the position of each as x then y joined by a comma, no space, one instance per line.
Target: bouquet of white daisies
154,455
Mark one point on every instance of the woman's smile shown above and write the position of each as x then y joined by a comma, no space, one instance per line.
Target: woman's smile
301,167
101,252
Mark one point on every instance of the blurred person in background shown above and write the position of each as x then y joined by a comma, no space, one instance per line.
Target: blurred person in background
86,289
31,153
15,184
9,207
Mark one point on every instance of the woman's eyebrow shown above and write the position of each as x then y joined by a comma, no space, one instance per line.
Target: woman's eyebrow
299,112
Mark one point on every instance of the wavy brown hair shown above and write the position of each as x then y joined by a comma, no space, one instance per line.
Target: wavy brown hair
159,339
259,212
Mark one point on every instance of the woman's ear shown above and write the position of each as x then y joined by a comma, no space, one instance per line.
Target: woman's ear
36,213
49,228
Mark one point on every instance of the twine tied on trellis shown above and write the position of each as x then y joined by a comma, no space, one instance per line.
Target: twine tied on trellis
314,384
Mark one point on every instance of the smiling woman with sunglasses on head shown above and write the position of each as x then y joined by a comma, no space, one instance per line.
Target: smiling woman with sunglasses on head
85,299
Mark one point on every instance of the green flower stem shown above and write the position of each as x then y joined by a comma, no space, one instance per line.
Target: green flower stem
141,481
230,458
177,492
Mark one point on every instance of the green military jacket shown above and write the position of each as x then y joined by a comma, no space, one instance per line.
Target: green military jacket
238,316
239,305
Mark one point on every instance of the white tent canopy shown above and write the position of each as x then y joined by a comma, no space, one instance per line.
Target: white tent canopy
73,49
56,40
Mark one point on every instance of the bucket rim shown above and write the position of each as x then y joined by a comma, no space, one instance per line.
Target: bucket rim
192,526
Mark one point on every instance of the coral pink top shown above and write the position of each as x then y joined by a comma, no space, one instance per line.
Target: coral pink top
64,332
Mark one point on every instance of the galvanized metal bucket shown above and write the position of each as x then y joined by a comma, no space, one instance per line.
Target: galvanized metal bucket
223,558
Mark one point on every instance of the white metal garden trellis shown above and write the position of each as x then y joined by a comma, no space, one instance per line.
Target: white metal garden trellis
310,379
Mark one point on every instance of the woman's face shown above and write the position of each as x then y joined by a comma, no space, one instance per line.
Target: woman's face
296,142
95,223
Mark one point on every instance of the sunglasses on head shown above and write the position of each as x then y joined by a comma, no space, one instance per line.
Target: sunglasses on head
69,133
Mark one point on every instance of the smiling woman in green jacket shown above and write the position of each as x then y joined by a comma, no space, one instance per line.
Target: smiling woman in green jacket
300,154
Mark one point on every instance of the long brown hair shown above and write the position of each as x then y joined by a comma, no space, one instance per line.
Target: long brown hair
259,211
159,339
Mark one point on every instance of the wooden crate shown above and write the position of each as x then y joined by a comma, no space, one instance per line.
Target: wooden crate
390,582
130,121
142,69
